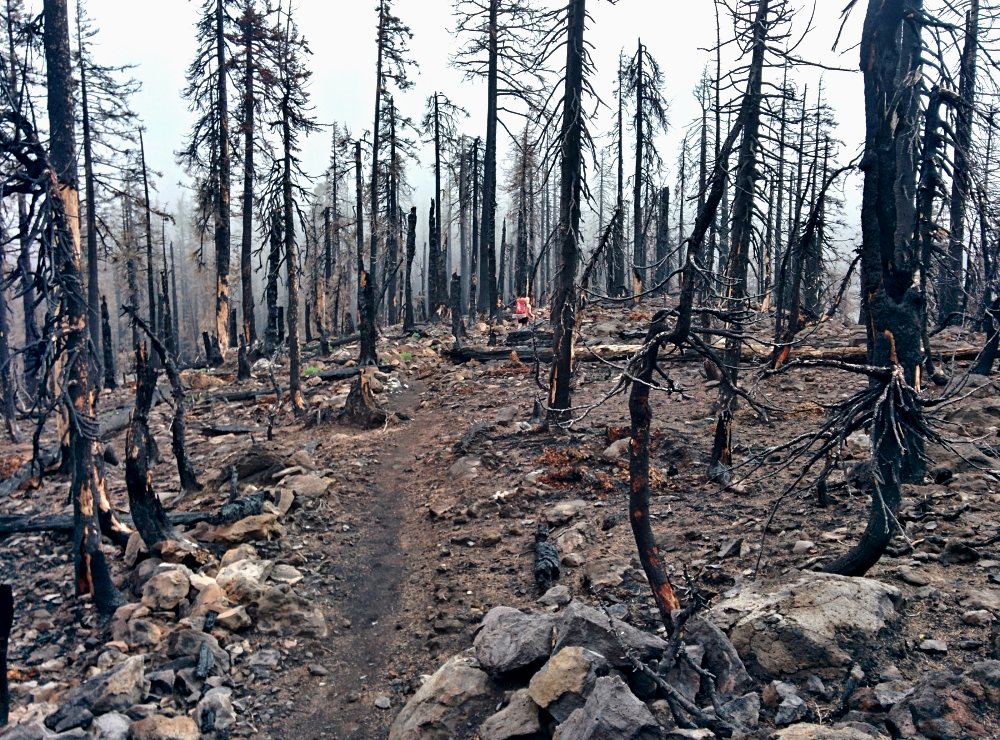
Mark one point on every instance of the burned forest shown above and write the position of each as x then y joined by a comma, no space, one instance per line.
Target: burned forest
500,369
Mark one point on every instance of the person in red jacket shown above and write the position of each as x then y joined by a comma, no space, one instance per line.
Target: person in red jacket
522,309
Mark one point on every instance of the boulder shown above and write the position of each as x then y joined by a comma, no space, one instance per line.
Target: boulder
585,626
821,622
612,712
518,719
159,727
511,640
565,681
114,690
446,701
606,572
307,485
166,590
282,611
235,554
243,580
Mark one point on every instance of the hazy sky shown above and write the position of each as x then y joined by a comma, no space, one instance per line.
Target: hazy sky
159,38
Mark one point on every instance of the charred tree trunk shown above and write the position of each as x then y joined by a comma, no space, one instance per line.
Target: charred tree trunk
891,304
392,233
474,261
8,407
488,236
411,252
663,240
739,252
178,428
571,171
246,242
147,512
434,266
150,282
93,285
292,267
949,304
6,622
222,203
92,575
272,331
457,329
641,415
366,288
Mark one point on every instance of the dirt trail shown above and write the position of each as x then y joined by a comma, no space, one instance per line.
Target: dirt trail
362,586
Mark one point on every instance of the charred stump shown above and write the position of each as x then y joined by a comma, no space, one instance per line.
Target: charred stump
243,361
546,570
147,512
360,409
457,327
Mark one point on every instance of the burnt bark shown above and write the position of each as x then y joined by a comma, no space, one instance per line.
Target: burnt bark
571,165
178,428
147,512
222,203
6,622
92,575
411,252
110,381
641,415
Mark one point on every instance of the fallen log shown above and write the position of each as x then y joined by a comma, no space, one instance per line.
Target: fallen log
220,430
63,523
336,373
622,352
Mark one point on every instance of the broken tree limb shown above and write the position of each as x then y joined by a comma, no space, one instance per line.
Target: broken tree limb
63,523
178,444
621,352
147,511
337,373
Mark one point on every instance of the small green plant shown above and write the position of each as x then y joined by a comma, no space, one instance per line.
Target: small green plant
406,356
311,370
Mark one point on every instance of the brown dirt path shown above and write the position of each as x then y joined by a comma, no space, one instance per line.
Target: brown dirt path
364,585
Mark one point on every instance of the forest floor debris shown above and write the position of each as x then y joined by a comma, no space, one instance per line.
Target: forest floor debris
377,555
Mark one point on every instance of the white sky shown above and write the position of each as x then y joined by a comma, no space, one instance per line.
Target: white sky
159,38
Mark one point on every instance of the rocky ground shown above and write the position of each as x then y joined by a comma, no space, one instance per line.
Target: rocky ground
384,557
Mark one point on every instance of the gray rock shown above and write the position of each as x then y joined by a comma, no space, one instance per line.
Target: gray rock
890,693
282,611
819,732
977,618
383,702
683,677
455,692
612,712
792,709
744,710
112,691
26,731
820,621
510,640
166,590
556,596
720,657
563,683
74,715
605,572
188,642
933,646
517,719
585,626
617,450
110,726
563,511
215,711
